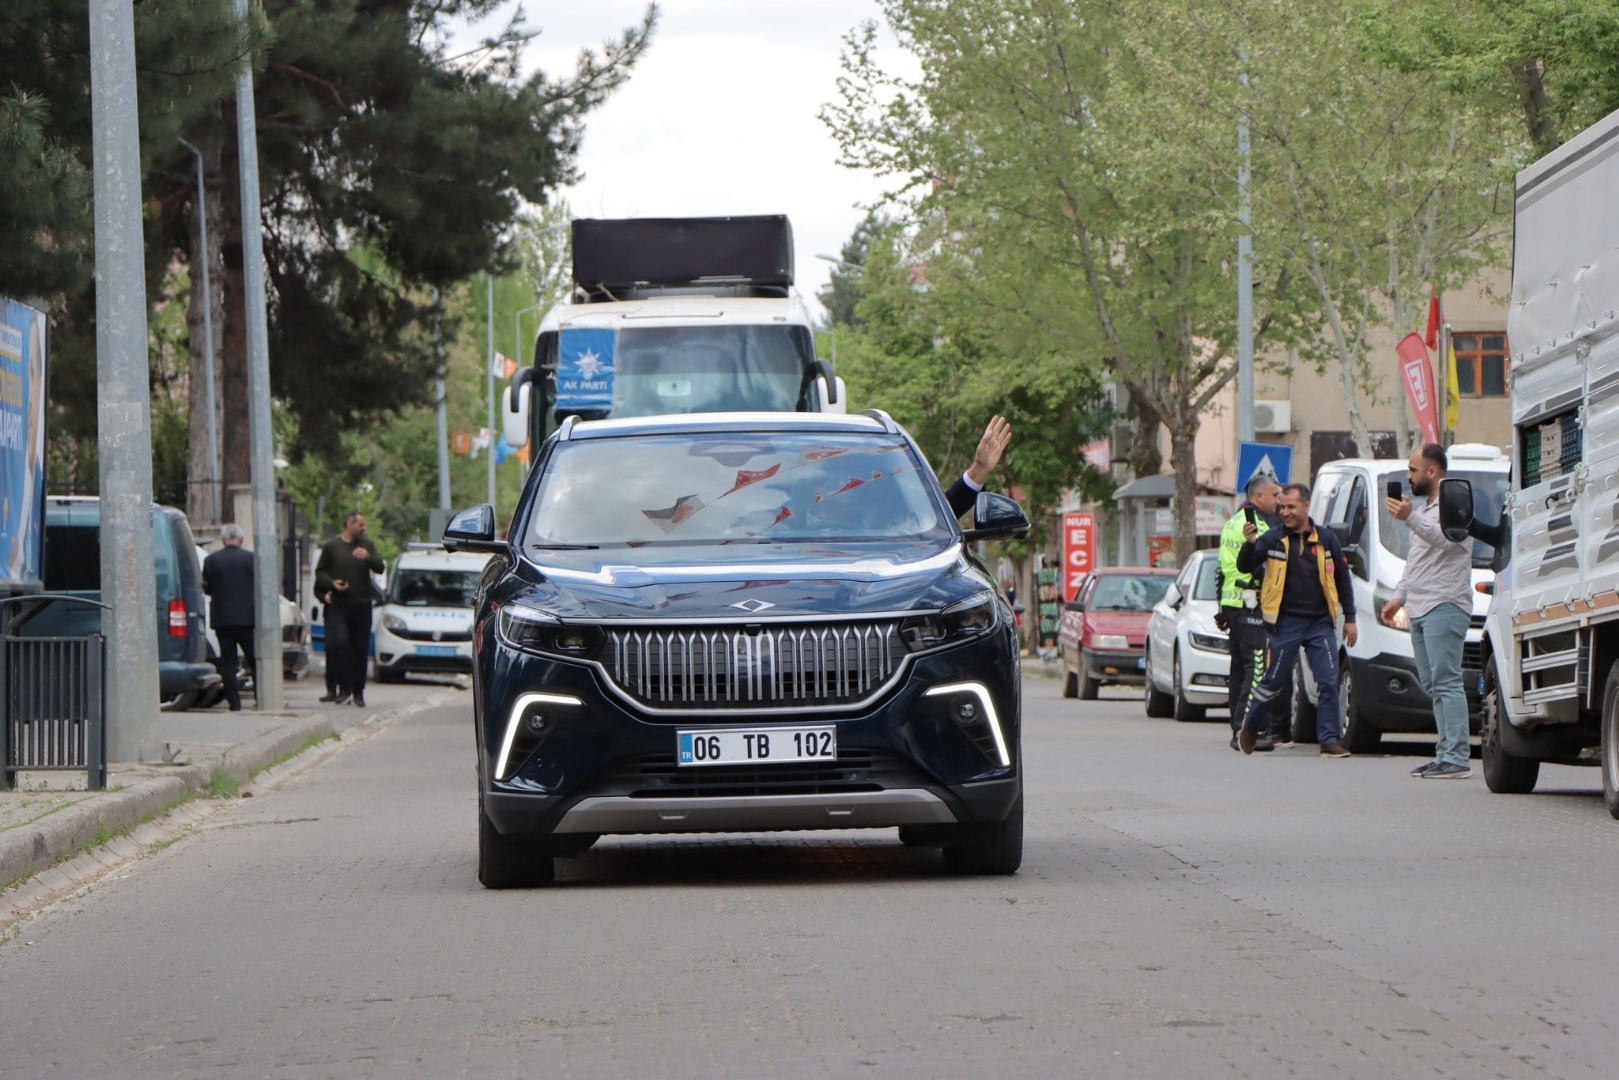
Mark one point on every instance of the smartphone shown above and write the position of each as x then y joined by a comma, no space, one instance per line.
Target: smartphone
1395,491
1248,512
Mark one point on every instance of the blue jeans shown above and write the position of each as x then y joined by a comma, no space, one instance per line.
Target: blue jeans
1436,640
1319,640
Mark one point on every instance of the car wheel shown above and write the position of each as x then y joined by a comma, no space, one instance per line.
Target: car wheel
1359,735
510,862
1088,687
1157,703
1303,710
1070,682
1610,741
995,848
1185,711
181,702
385,675
1504,773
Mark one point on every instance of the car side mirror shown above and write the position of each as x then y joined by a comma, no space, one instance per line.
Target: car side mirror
472,530
1074,605
1173,597
995,517
1455,509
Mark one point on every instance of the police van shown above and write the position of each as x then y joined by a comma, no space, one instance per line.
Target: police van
424,624
1378,690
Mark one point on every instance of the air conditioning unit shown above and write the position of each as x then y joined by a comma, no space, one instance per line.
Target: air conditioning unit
1273,417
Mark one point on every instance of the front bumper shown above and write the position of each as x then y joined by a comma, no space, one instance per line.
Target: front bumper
1124,668
398,655
1391,699
581,760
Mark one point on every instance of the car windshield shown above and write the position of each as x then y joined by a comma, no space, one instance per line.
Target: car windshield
1127,592
432,588
1206,587
1489,496
734,488
686,369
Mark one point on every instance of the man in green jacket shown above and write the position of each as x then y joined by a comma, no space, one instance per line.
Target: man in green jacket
1239,608
343,572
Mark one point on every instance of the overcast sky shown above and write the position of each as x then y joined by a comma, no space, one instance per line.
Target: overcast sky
719,118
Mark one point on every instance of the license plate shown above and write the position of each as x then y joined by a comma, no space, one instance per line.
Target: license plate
1141,663
435,650
745,746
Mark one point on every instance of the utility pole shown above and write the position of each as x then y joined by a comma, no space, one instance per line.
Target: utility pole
214,492
1245,272
489,374
123,391
267,686
443,418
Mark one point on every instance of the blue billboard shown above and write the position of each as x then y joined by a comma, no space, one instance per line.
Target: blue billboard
22,444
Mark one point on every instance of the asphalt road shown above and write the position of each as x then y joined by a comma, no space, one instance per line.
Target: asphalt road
1182,911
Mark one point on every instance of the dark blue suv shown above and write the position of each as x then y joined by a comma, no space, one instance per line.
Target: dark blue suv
735,623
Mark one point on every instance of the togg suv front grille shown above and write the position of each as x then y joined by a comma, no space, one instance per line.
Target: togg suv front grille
657,776
753,666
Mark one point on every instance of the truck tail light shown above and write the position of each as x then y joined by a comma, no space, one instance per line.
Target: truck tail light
177,618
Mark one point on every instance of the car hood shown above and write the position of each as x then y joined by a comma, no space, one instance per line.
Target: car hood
733,582
1131,623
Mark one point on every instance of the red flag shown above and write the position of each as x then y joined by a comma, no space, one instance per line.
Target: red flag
1431,338
1417,375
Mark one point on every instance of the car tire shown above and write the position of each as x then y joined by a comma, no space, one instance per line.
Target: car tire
1303,710
510,862
1088,687
995,848
181,702
1504,773
1070,683
1358,734
1185,711
1158,704
1610,741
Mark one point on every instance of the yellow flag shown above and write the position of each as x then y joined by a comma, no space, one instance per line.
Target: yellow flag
1453,393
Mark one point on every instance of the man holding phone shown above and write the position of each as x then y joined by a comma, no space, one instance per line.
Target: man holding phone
1436,591
343,572
1239,609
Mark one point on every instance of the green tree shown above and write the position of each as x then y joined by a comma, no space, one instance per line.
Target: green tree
842,292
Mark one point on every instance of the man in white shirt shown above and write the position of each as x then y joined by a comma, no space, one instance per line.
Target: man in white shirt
1436,591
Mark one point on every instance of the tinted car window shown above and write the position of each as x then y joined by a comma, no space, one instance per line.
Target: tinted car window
1207,575
1125,592
432,588
734,488
1489,495
72,558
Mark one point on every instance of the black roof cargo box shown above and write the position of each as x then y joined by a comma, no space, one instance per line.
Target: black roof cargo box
620,253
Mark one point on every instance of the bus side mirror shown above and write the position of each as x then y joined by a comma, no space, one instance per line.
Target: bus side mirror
1455,509
514,411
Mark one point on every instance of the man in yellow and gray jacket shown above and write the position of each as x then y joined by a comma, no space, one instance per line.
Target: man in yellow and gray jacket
1239,605
1306,586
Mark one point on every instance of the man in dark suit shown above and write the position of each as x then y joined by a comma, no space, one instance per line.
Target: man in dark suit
227,578
964,492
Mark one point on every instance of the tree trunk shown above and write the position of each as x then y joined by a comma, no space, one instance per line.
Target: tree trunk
203,499
1536,113
1183,457
1145,457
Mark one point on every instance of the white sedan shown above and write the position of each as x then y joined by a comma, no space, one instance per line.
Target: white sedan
1188,657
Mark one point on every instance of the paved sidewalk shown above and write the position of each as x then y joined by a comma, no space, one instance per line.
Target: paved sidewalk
39,828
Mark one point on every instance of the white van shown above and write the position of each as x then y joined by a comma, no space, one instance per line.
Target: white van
1380,691
425,624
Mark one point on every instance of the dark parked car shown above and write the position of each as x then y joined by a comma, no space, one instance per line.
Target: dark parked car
73,565
741,622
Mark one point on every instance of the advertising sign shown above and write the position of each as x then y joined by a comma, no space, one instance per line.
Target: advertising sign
585,369
22,443
1078,550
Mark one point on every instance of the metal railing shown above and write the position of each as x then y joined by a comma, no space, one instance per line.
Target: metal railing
53,708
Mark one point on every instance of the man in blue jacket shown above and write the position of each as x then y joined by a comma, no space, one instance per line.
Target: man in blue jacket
1306,584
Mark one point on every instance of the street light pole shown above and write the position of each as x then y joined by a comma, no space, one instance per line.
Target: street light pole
1245,274
443,417
489,374
208,342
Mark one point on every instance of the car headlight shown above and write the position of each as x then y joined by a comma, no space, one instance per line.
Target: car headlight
1210,642
1401,620
393,623
958,622
537,632
1110,641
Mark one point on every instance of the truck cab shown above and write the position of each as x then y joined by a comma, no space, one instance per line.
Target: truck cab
673,315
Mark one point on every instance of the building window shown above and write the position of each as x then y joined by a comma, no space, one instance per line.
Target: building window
1481,364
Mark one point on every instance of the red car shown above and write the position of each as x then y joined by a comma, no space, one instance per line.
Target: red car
1103,633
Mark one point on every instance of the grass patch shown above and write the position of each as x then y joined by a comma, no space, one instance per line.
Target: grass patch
309,744
224,786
